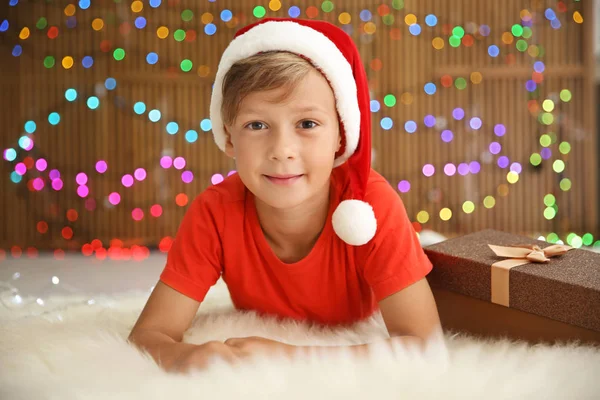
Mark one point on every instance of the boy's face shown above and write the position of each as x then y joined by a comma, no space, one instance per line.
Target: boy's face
285,150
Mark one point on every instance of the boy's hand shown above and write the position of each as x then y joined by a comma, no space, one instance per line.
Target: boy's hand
200,356
258,345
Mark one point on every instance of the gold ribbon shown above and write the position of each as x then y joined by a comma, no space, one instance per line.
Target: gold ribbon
518,255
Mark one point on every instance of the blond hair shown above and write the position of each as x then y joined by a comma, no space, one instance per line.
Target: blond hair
261,72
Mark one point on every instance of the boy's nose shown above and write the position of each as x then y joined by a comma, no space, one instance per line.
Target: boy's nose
283,146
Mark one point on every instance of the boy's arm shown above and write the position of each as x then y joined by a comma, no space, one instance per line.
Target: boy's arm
410,315
162,323
411,318
411,312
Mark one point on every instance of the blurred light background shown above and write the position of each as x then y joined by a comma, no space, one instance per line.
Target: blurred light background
483,115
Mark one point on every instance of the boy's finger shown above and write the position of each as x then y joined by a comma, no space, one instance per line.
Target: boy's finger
233,341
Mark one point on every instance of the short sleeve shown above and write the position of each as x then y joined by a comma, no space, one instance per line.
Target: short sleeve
194,262
394,259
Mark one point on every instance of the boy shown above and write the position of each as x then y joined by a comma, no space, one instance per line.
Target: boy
306,229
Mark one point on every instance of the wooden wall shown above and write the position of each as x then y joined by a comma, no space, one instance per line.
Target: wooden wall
113,132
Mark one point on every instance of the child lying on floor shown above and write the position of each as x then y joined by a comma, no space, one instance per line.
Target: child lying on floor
305,229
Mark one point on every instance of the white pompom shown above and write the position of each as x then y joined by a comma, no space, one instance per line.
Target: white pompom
354,222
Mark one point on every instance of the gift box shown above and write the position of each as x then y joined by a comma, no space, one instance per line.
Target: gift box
493,283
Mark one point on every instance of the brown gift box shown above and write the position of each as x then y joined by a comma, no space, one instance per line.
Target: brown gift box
558,300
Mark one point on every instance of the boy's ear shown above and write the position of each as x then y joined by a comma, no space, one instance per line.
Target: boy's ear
229,150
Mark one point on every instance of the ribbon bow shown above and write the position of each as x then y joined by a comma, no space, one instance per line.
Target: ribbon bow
518,255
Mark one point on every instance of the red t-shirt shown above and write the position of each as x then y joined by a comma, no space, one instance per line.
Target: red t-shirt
335,283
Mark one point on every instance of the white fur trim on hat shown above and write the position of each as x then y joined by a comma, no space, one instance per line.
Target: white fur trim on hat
299,39
354,222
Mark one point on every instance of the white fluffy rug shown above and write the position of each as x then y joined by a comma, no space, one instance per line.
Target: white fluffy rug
77,350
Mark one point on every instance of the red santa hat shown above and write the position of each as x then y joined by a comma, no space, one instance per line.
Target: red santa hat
334,54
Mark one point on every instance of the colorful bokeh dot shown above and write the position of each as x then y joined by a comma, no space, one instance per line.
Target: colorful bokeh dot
259,11
54,118
49,62
119,54
565,95
30,126
139,108
445,214
186,65
387,123
468,207
154,115
172,128
216,179
206,125
93,102
191,136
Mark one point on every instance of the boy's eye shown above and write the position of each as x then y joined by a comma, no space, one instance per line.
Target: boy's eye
308,124
255,126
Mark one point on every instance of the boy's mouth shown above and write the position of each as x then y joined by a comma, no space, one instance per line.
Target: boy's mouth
283,180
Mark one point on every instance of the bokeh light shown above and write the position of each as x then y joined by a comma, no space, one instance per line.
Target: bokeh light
387,123
499,130
445,214
10,154
114,198
565,95
468,207
140,22
137,6
119,54
172,128
137,214
81,178
179,163
156,210
154,115
93,102
110,83
187,176
558,166
216,179
206,125
162,32
210,29
71,94
83,191
186,65
139,108
101,166
447,135
30,126
410,126
166,162
489,202
87,62
428,170
449,169
191,136
181,199
475,123
458,114
140,174
127,180
97,24
54,118
227,15
375,106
